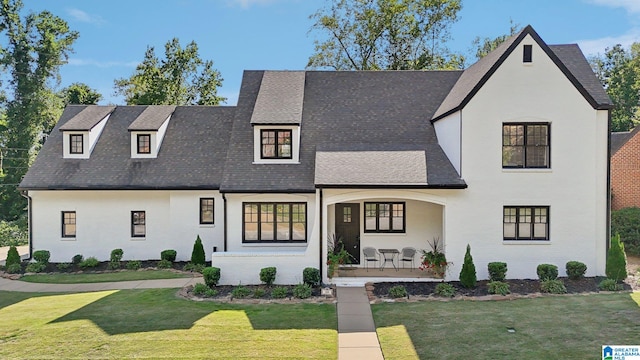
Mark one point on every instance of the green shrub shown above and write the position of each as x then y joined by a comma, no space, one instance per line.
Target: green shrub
63,266
12,257
552,287
211,276
311,276
193,267
498,287
89,262
497,271
200,289
575,270
35,267
211,292
302,291
398,291
445,290
166,264
116,255
279,292
626,222
77,259
169,255
240,292
42,256
114,265
268,275
134,265
197,255
468,277
609,285
14,268
547,272
616,267
258,293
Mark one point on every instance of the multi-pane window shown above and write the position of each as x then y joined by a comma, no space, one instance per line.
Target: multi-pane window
525,146
274,222
275,144
144,144
138,224
384,217
68,224
346,214
76,145
526,222
206,211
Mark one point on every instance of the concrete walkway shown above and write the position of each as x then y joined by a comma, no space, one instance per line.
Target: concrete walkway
357,337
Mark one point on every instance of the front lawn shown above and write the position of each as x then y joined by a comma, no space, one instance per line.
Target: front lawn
156,324
553,327
62,278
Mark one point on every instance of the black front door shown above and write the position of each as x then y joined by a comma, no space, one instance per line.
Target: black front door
348,229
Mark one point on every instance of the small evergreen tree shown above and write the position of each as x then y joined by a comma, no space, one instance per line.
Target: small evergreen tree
197,255
12,257
468,277
616,268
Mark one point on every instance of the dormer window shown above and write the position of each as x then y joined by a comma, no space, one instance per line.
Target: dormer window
76,144
275,144
144,144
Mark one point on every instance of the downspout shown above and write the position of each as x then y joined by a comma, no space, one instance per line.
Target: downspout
224,244
321,227
25,194
608,239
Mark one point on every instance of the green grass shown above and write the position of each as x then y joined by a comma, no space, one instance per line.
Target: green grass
555,327
103,277
156,324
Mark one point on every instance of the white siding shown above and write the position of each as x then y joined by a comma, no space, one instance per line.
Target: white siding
449,137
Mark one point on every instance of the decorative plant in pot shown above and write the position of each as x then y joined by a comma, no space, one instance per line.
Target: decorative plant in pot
336,254
434,260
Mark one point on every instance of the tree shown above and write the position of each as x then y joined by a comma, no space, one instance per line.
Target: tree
616,267
385,35
181,78
619,71
487,45
468,277
80,94
197,254
32,51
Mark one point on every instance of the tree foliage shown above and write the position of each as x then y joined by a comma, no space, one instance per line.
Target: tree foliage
385,35
181,78
626,223
468,276
31,52
616,267
487,45
619,71
80,94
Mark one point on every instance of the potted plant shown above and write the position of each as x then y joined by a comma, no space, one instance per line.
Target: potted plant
434,260
336,254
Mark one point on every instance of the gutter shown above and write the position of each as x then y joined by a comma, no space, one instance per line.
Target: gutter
25,194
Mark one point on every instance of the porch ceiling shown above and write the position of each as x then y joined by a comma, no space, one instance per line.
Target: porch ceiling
407,167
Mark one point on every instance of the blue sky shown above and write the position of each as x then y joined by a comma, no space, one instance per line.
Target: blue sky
274,34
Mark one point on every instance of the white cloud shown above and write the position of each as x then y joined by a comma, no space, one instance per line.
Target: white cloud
599,46
102,64
82,16
632,6
245,4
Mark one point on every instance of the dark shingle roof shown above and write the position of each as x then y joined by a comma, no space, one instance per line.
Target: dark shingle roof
280,98
192,155
152,118
84,118
618,139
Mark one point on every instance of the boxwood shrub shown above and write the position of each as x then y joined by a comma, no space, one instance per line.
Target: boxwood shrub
497,271
547,272
211,276
575,269
268,275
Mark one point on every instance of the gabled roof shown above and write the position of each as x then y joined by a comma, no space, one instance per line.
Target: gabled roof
152,118
568,58
84,118
182,163
279,98
618,139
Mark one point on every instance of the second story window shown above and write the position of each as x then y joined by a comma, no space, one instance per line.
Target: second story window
275,144
138,224
144,144
526,145
76,144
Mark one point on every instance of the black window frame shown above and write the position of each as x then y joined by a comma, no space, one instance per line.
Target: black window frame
204,207
139,137
527,54
277,151
274,222
65,234
135,223
73,144
533,222
391,217
525,145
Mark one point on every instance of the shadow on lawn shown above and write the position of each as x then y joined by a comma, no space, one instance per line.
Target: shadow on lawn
130,311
